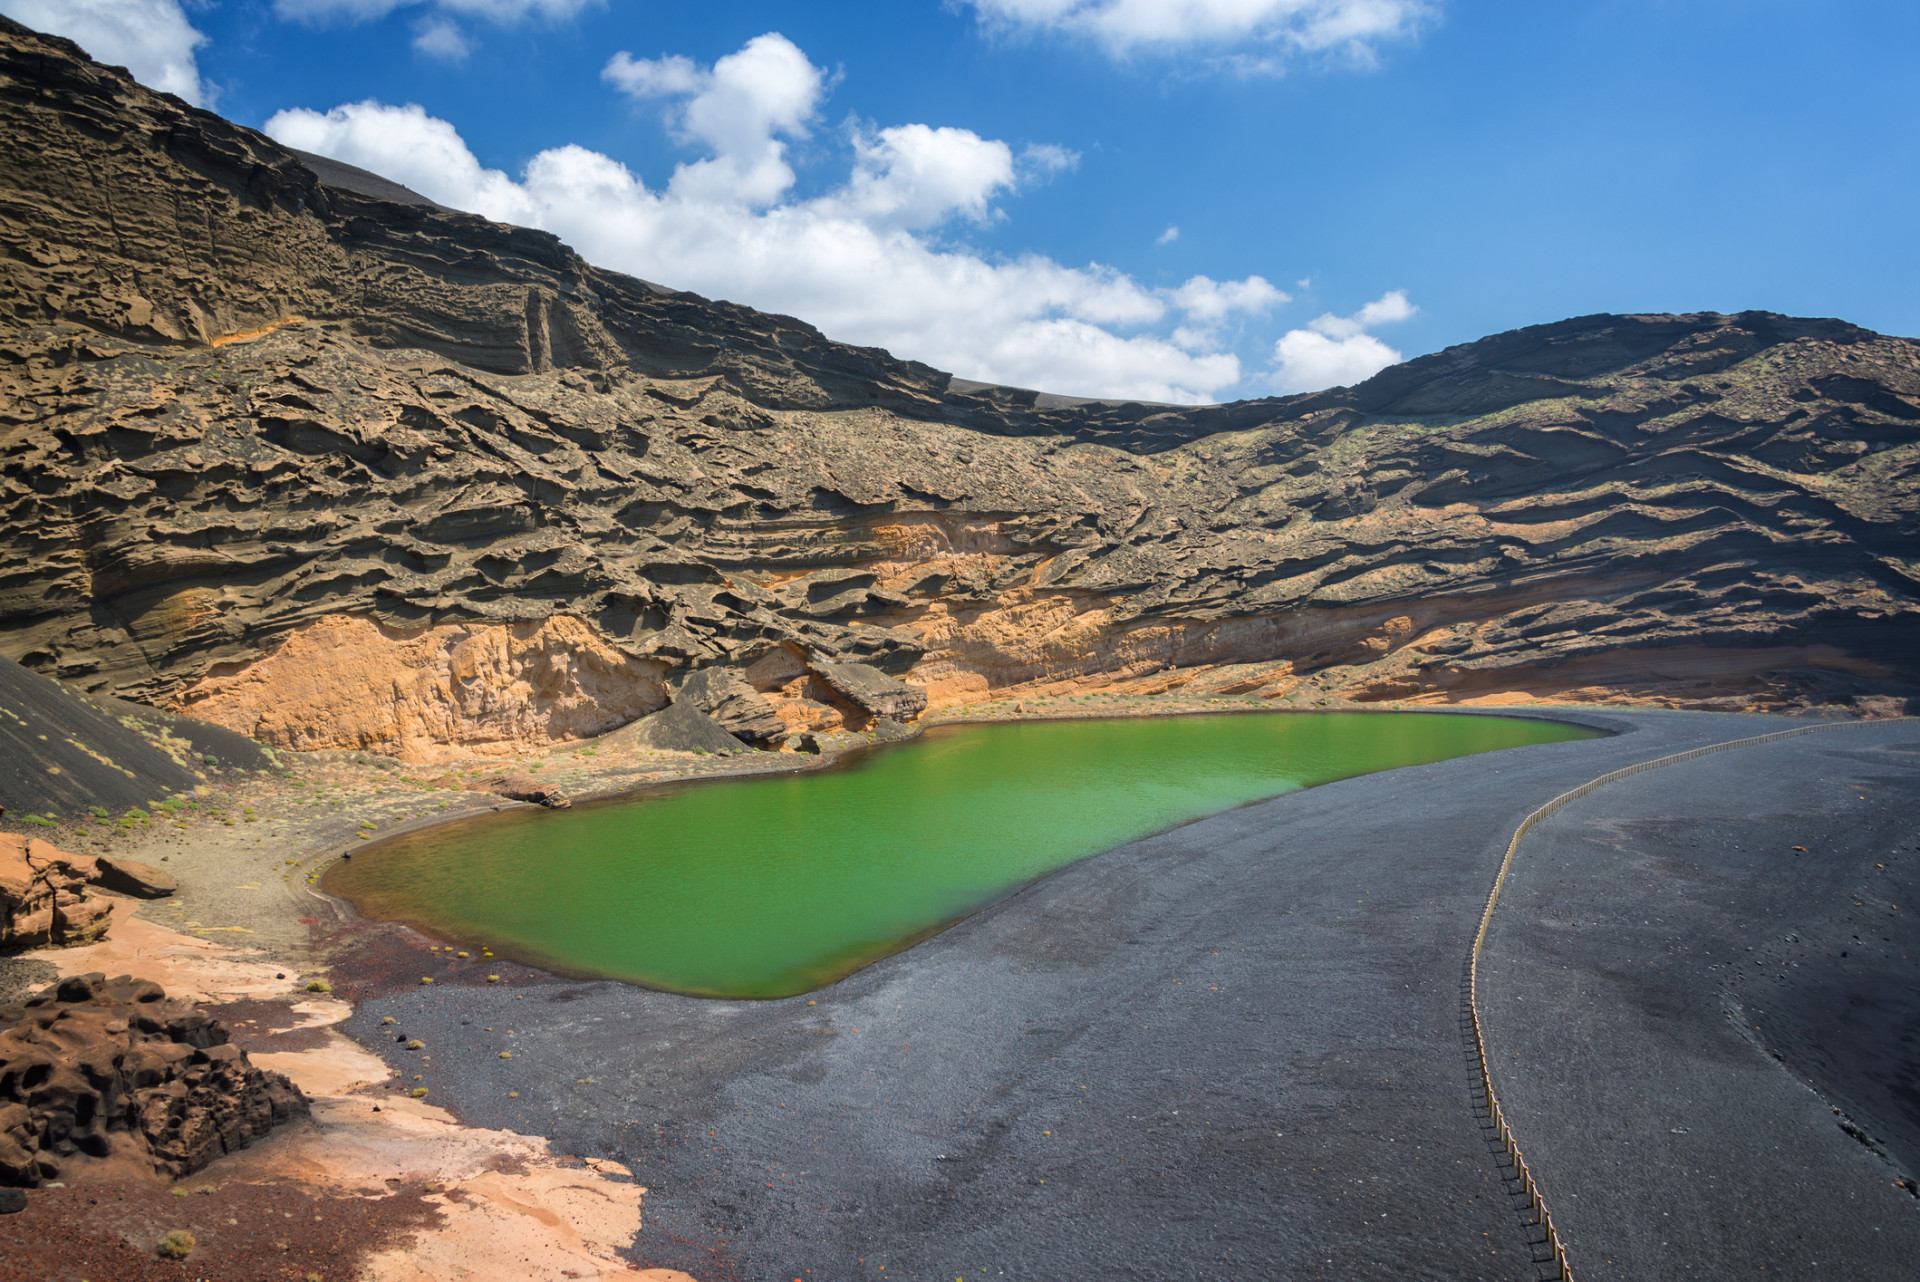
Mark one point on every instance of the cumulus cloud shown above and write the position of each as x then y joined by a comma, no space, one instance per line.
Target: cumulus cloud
739,109
1168,236
1350,27
1337,351
870,261
150,38
1208,301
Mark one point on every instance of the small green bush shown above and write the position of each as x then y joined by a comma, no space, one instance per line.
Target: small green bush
209,759
38,822
98,812
177,1245
319,986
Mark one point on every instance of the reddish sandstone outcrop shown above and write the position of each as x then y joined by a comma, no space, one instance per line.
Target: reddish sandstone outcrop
42,895
97,1070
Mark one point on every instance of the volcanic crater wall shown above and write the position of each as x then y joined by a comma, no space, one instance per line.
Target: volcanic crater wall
336,470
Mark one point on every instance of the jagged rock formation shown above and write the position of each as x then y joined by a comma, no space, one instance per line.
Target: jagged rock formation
337,470
94,1070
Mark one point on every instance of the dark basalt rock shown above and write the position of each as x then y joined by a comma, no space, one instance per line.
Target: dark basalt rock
872,690
93,1069
724,695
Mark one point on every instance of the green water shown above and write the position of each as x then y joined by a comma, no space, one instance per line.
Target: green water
766,887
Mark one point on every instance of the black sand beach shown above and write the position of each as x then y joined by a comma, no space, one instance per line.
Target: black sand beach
1235,1050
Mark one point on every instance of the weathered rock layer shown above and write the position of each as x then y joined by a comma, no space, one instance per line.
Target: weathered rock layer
337,470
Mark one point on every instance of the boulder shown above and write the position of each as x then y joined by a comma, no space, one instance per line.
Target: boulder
43,899
129,877
724,695
93,1068
870,689
681,727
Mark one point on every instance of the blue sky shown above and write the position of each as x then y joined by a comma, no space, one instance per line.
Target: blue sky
989,185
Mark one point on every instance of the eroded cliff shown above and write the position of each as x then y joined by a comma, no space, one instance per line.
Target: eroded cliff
337,470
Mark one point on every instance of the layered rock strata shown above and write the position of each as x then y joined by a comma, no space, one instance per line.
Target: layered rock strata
98,1071
339,470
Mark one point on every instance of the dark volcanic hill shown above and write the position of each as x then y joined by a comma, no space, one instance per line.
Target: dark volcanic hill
339,470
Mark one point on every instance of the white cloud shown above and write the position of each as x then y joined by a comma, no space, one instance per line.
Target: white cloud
919,176
439,38
738,108
1337,351
1350,27
865,261
1168,236
1044,159
150,38
1208,301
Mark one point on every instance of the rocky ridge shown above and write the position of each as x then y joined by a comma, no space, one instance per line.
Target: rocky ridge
341,471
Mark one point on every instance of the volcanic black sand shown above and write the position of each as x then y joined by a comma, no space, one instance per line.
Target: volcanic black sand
1235,1050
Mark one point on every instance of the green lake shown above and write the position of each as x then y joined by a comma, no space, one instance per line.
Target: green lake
775,885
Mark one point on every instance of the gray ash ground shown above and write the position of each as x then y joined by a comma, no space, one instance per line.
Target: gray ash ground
1681,957
1231,1050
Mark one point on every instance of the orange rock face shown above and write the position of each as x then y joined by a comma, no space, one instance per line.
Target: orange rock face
347,681
42,896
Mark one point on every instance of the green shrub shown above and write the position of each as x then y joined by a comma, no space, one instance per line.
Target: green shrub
177,1245
319,986
210,759
98,812
38,822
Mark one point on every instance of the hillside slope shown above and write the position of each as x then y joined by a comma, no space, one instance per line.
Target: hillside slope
337,471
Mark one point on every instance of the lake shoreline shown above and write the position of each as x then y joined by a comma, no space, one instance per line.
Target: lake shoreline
791,881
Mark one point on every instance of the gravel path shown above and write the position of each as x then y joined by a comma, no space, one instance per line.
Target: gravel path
1232,1050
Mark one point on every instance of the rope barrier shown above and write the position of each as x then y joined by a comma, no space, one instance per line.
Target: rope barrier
1529,1185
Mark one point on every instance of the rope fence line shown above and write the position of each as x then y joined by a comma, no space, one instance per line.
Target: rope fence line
1524,1173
